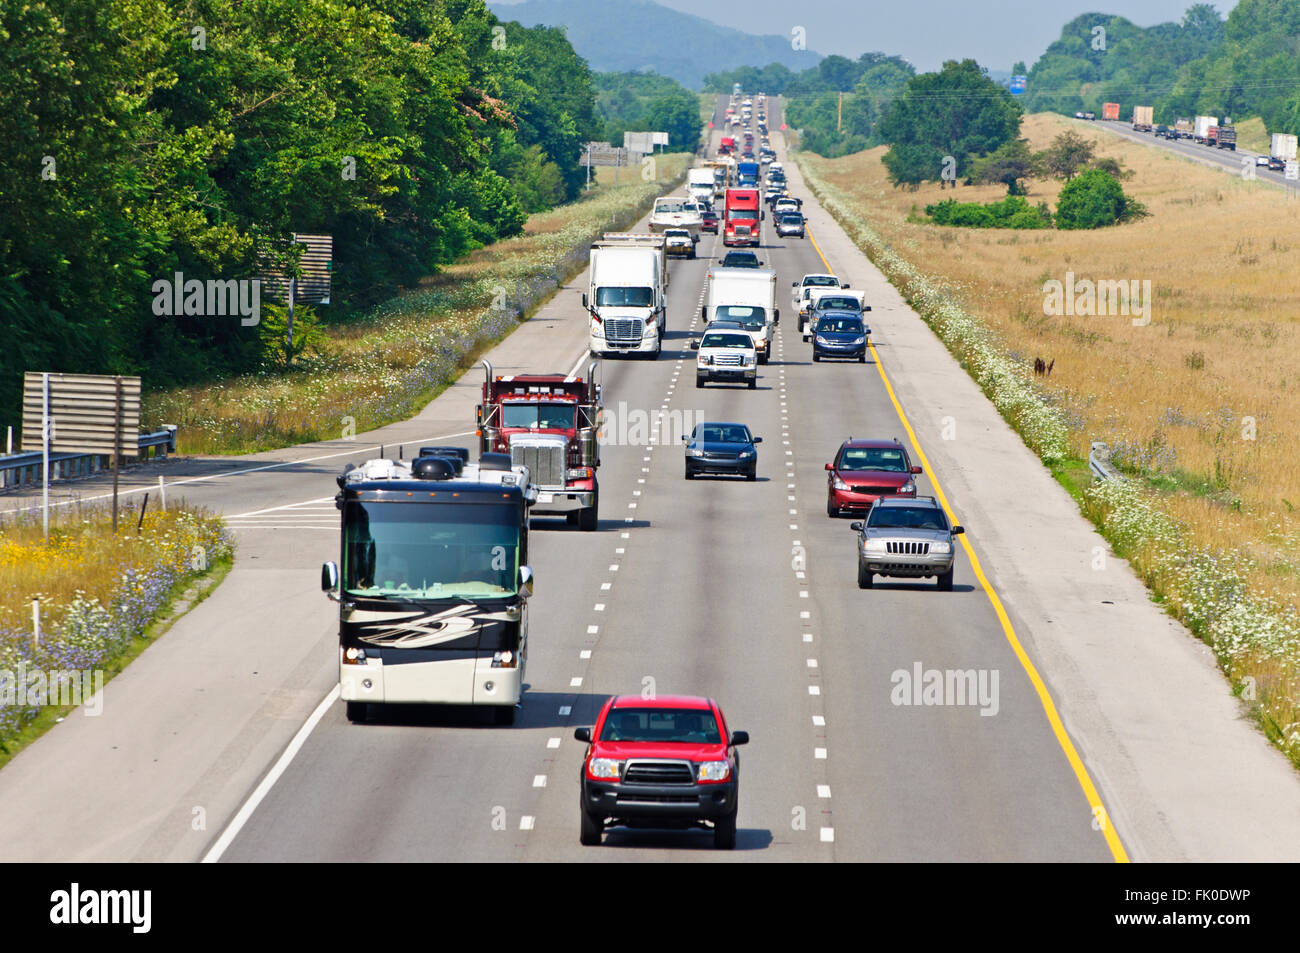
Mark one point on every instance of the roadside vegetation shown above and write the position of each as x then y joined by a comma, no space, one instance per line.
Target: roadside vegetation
390,362
1198,400
99,592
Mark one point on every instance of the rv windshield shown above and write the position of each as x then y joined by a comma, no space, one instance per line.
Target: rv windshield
430,550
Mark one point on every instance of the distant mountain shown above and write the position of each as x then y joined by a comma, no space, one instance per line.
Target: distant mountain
637,35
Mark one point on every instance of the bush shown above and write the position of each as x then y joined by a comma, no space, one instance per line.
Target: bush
1011,212
1095,199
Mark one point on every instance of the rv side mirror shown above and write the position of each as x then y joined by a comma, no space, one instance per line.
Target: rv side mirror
329,579
525,581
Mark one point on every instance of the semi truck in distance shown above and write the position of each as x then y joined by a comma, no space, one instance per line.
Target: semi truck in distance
1281,150
699,183
1142,118
742,216
547,423
1202,126
627,295
1110,111
1224,136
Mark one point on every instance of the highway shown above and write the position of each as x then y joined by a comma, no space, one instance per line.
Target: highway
745,592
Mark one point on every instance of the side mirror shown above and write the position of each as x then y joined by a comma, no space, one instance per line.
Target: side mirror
958,530
845,285
740,737
829,467
776,315
525,581
329,579
757,440
695,345
866,307
582,734
856,527
794,284
916,469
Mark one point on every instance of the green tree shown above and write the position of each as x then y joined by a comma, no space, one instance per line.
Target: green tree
1067,155
1094,199
1008,164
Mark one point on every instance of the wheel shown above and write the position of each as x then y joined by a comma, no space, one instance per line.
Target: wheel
752,475
762,358
944,581
864,576
832,510
591,830
816,357
724,831
504,715
571,518
862,358
357,712
587,519
689,474
753,385
699,381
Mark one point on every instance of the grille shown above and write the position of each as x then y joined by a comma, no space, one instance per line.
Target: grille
658,772
907,548
545,464
658,799
876,490
722,456
740,231
623,331
729,360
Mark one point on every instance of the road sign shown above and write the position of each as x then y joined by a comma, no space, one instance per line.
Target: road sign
311,285
1292,169
642,142
1017,85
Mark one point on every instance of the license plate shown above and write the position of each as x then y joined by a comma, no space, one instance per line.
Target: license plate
545,497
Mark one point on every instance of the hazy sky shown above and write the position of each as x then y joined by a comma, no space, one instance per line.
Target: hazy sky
927,32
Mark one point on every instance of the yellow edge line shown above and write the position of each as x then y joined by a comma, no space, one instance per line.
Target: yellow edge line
1100,814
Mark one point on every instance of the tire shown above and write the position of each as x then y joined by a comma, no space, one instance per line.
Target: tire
357,712
571,518
816,357
862,359
864,576
944,581
699,381
753,385
587,519
724,831
504,715
832,510
689,474
752,475
591,829
762,358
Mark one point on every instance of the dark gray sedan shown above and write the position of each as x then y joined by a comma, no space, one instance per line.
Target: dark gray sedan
722,448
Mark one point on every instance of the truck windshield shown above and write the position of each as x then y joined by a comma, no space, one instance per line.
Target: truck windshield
751,319
620,297
430,550
537,416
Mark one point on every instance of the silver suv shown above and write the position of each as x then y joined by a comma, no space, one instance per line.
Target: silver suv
906,537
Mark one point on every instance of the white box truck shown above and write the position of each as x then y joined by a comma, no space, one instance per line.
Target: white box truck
699,183
747,295
628,294
1201,130
1281,150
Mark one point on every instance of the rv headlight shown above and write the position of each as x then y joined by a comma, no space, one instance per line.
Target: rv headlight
504,659
354,656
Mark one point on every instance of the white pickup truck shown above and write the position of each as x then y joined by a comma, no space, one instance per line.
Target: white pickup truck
673,211
803,289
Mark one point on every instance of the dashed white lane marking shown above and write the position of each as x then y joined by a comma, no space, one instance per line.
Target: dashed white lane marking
819,721
823,790
606,586
624,535
599,607
552,742
613,567
819,754
539,780
807,636
575,682
828,835
631,506
584,654
619,551
526,822
814,690
812,663
593,629
565,710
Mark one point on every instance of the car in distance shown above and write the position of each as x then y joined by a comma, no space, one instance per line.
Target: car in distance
709,221
841,334
679,243
667,761
790,224
741,259
726,355
828,300
906,538
722,448
863,471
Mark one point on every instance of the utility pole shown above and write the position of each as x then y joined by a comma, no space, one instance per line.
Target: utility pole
839,113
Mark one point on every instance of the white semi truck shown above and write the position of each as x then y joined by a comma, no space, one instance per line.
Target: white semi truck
1281,150
628,294
699,183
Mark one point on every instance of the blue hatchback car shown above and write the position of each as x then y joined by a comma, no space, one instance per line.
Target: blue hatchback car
722,448
840,334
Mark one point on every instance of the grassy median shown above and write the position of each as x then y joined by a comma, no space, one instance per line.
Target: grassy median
1200,404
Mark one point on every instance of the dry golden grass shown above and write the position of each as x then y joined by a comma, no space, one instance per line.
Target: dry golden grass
1179,396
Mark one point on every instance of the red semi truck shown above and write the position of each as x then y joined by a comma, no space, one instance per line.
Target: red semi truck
727,145
741,217
1110,111
548,423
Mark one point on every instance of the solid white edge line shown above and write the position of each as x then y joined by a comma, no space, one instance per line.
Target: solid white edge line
246,811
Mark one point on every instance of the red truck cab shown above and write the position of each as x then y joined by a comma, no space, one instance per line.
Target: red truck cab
666,761
741,217
726,146
548,423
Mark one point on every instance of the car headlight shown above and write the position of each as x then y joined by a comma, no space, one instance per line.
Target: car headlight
861,340
605,768
874,546
908,487
694,452
838,483
715,770
942,548
822,340
744,454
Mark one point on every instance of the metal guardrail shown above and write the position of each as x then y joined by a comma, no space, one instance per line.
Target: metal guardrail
1099,462
24,469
